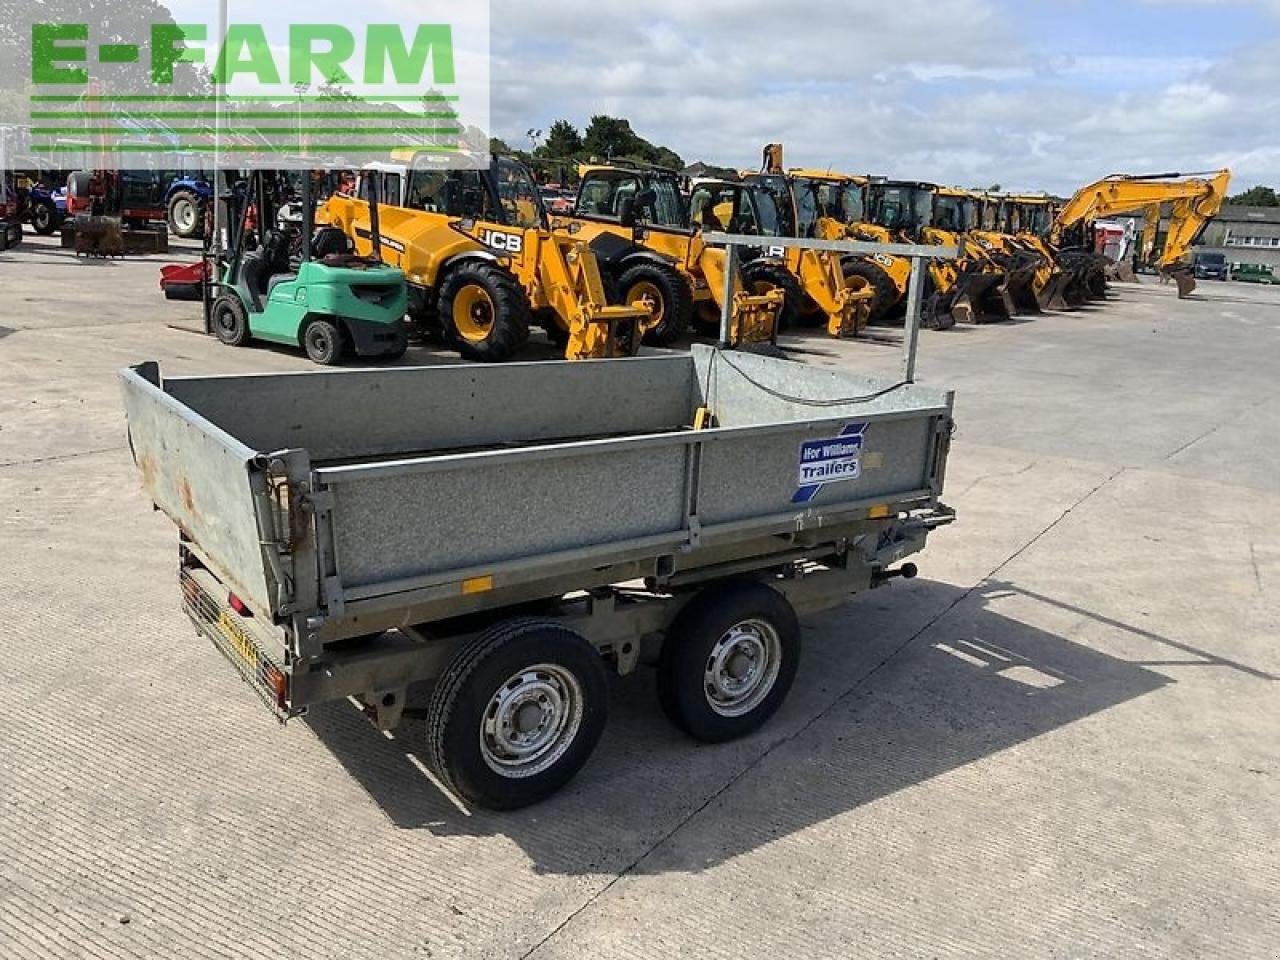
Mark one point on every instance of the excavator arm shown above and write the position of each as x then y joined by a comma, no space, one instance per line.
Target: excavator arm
1195,201
1121,193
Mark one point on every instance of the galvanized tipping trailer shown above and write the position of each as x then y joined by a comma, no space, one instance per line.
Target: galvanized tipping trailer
512,532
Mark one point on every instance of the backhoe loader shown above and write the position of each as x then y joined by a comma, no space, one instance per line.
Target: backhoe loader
636,221
482,262
1029,217
969,289
1035,280
1195,201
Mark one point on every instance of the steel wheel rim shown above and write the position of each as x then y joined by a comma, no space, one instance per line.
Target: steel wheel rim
184,214
742,667
318,340
531,720
646,294
473,313
226,321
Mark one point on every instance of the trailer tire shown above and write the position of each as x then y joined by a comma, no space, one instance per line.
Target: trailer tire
230,320
666,291
762,276
484,310
324,342
523,671
728,661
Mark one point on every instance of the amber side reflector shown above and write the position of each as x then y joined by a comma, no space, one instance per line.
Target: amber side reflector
279,685
477,584
876,513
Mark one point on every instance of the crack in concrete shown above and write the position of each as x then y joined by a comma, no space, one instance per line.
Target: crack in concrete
821,714
57,457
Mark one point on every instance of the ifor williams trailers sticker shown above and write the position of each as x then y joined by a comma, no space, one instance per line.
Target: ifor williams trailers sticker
833,460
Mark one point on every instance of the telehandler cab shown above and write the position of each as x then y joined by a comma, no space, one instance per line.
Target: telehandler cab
482,262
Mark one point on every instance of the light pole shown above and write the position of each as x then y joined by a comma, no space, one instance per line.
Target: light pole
300,89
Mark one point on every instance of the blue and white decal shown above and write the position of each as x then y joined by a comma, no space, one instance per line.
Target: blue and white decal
833,460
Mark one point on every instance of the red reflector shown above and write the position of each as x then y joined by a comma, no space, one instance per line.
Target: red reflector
238,605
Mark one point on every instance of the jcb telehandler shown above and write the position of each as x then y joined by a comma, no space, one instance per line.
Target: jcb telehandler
636,220
483,264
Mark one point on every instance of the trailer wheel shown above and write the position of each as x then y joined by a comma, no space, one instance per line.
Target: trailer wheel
516,713
665,292
728,661
184,212
485,311
323,342
230,321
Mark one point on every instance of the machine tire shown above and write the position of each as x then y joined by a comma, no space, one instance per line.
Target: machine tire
185,214
230,320
324,342
44,218
760,276
674,299
707,638
886,292
483,697
494,307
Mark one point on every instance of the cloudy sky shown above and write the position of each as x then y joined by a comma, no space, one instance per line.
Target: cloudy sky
1040,94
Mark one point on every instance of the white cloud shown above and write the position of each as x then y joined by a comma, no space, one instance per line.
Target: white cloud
950,91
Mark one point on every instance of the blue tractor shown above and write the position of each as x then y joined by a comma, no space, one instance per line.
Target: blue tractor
186,199
46,208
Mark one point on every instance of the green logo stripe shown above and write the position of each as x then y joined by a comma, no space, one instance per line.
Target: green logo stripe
244,148
229,98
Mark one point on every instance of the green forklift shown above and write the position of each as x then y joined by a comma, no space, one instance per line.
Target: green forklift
283,282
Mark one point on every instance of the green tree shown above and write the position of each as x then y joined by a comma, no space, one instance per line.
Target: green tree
563,140
607,137
1256,197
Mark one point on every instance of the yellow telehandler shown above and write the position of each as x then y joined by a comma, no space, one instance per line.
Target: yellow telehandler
636,221
481,260
1194,201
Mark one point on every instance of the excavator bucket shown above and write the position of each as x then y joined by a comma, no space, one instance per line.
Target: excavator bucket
1021,288
1186,281
1052,294
983,298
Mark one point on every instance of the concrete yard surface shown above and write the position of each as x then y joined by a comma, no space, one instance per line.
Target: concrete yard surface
1062,740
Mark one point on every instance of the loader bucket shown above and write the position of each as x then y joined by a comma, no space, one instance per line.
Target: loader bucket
1053,295
1022,292
983,298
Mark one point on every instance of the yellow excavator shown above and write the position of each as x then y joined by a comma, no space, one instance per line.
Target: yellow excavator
481,260
1194,200
636,220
